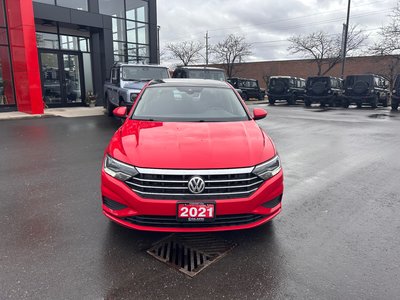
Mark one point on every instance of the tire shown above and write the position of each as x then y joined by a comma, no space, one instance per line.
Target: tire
345,103
307,103
245,97
271,100
292,100
395,105
109,107
359,104
374,102
385,102
261,97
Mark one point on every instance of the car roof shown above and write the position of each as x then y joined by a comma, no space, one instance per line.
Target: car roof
139,65
200,68
190,82
277,77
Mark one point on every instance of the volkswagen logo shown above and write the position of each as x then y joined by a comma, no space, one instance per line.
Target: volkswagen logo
196,185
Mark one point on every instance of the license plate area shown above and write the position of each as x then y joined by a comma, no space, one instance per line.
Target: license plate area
195,212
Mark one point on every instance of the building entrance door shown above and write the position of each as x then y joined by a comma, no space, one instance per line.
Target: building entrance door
62,77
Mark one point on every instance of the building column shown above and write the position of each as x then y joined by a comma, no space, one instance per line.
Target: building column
24,56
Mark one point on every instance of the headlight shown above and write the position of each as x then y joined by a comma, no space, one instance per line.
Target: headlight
329,91
268,169
133,96
118,170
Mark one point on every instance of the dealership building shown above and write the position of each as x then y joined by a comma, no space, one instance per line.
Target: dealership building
54,52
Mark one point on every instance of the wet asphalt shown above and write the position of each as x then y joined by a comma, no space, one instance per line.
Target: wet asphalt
338,236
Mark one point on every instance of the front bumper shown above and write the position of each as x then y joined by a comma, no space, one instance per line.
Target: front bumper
140,213
359,99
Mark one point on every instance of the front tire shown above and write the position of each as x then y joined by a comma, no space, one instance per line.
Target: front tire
374,102
245,97
271,101
307,103
109,107
292,100
395,105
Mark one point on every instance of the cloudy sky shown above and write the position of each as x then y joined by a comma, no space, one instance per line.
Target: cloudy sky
265,23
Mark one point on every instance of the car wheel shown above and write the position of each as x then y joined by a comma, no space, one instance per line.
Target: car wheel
385,102
271,100
374,101
260,97
395,105
359,104
345,103
245,97
292,100
307,103
109,107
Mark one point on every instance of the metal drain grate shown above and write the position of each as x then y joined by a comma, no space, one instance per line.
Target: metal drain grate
190,253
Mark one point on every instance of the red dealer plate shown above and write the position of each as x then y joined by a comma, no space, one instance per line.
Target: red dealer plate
195,212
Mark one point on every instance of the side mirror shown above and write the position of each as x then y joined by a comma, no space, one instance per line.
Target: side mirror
120,112
259,113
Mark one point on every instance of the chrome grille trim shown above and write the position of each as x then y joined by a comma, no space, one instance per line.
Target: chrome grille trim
195,172
183,187
206,194
160,184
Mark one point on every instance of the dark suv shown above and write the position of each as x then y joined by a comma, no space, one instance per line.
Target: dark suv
286,88
249,87
199,73
396,93
369,88
325,90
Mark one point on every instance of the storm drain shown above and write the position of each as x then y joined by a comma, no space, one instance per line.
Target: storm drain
190,253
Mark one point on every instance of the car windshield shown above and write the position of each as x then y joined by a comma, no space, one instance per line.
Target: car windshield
189,104
275,81
207,74
143,73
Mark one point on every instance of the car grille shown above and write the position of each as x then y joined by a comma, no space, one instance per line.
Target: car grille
166,221
217,186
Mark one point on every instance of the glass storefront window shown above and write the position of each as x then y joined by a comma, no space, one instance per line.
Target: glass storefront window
142,32
6,83
2,15
131,31
69,42
118,29
47,40
76,4
113,8
119,48
137,10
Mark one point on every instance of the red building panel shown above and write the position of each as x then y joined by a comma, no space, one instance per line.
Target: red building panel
24,56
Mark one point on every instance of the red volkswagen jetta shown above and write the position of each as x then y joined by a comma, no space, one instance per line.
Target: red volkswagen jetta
189,158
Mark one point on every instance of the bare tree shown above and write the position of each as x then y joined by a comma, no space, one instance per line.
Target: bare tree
388,46
232,50
187,52
324,48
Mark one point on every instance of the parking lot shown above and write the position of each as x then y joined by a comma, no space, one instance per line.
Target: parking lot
336,238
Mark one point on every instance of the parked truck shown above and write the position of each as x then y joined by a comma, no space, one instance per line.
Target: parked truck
126,81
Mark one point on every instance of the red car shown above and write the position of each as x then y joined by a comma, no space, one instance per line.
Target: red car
191,158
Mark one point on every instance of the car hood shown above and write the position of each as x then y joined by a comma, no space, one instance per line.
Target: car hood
135,85
189,145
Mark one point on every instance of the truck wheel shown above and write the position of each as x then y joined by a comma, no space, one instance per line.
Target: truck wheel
307,103
374,101
385,102
260,97
395,105
109,108
245,97
292,100
359,104
345,103
271,100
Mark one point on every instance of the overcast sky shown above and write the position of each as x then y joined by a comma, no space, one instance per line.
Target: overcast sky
265,23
